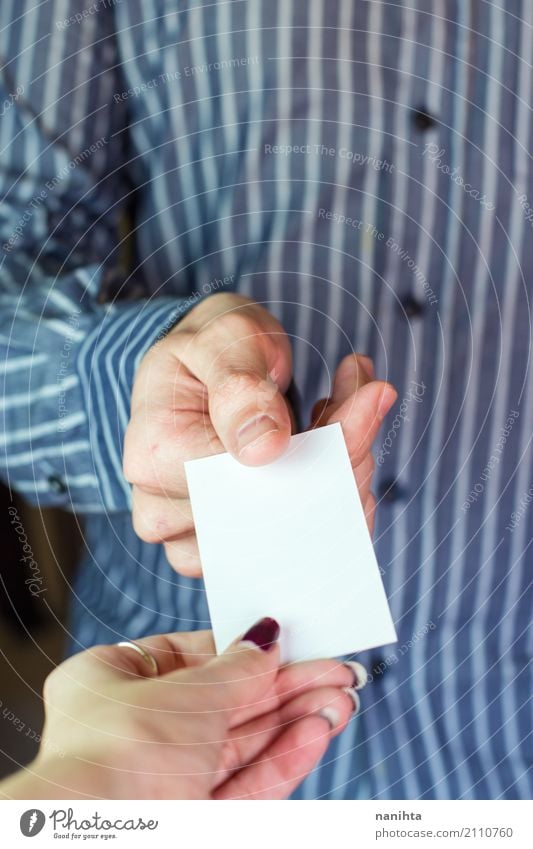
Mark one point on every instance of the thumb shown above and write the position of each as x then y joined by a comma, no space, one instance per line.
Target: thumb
247,407
246,671
248,411
242,356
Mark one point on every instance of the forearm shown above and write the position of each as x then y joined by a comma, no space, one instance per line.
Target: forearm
66,357
66,393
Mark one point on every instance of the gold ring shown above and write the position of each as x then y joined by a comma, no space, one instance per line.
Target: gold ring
149,658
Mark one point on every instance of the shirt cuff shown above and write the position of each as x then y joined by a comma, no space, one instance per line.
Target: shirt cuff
107,363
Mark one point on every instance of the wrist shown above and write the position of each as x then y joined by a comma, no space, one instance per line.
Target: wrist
56,778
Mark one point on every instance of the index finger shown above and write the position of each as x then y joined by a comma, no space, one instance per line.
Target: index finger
171,652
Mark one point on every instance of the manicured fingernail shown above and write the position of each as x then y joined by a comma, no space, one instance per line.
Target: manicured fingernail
263,635
254,430
331,715
354,695
360,675
388,397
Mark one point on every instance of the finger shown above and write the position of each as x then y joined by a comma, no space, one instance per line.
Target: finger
368,365
370,512
184,556
249,413
246,366
241,676
157,518
361,416
157,444
247,742
286,763
363,476
298,678
352,373
320,411
180,650
172,652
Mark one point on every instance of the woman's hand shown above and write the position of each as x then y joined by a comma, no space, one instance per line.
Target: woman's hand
169,720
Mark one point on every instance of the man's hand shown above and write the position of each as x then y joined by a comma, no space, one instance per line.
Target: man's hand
360,404
216,383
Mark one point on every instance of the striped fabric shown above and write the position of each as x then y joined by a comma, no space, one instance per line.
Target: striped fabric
364,169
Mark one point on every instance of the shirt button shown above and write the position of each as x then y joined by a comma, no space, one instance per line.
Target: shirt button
411,307
57,485
390,490
423,119
378,667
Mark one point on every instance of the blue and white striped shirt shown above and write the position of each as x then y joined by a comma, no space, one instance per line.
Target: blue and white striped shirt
364,169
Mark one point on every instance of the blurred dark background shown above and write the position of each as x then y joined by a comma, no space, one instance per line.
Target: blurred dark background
32,627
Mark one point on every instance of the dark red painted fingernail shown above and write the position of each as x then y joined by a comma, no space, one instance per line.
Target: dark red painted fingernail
263,635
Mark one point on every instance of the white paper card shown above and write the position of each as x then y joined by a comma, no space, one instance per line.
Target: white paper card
289,540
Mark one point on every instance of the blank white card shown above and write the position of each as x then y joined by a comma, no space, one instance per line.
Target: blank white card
289,540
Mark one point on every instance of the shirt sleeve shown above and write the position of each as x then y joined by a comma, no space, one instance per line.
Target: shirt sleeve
67,360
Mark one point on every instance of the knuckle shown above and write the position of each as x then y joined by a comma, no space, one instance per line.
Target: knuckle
240,322
97,653
187,565
144,464
230,756
147,529
133,464
174,345
188,571
156,518
349,363
364,359
237,384
137,471
230,327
